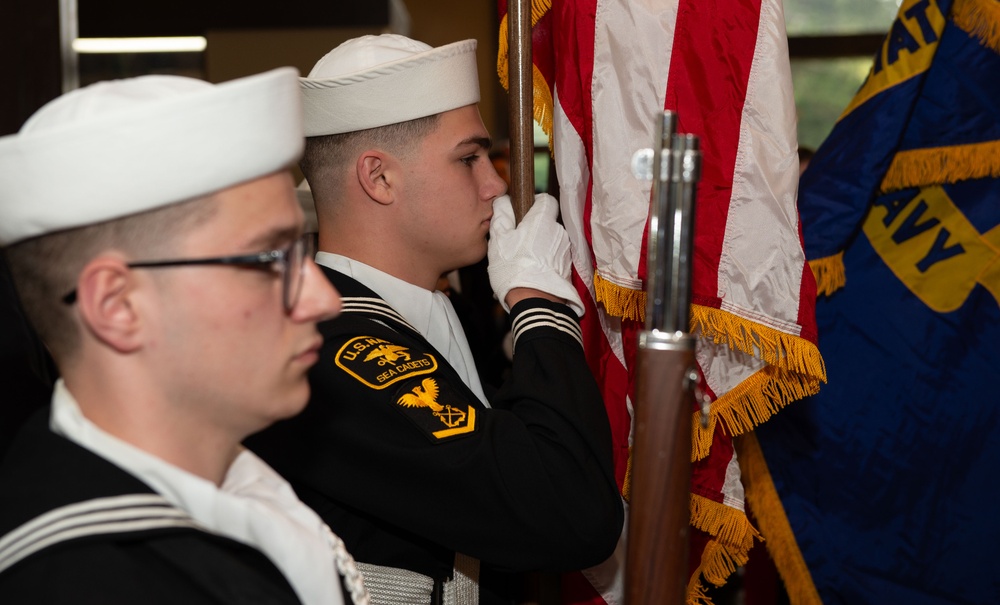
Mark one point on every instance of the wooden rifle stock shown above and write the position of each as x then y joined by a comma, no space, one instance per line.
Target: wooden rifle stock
656,569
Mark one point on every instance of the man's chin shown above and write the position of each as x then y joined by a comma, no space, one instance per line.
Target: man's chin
480,255
294,402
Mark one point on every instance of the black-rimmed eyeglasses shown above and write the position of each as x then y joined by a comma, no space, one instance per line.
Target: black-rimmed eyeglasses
288,261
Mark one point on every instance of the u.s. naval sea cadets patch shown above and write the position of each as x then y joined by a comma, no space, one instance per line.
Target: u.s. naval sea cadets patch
378,363
435,408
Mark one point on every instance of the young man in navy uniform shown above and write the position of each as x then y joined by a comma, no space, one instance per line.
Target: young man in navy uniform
436,482
156,242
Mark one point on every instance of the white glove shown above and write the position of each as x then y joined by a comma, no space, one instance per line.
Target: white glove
535,254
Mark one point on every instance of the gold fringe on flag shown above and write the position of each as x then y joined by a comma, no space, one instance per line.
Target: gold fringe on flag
717,561
979,18
770,515
728,525
542,103
702,436
619,300
768,344
829,273
733,537
938,165
795,366
752,402
794,370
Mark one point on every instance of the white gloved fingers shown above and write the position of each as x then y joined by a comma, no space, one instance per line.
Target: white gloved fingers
539,233
552,232
533,254
545,208
503,216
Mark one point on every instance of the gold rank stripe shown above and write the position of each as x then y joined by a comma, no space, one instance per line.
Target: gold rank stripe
469,426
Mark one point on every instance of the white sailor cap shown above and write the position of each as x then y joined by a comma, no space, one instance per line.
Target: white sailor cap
124,147
375,81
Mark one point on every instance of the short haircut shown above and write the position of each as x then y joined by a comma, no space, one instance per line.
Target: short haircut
325,155
46,268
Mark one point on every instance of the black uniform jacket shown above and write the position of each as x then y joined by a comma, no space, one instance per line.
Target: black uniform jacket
44,471
404,462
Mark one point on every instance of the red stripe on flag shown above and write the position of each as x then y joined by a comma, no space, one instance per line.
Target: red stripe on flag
807,300
573,36
713,50
571,30
612,377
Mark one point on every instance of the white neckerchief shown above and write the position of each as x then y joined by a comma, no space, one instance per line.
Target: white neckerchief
254,506
430,313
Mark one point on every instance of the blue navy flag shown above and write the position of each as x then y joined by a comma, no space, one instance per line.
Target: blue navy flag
881,488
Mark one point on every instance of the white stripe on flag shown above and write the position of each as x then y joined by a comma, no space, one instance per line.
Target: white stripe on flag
760,270
632,49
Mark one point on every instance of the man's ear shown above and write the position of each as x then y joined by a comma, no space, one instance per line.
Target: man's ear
105,299
374,176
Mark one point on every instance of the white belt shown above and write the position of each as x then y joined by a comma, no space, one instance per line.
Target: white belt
395,586
463,588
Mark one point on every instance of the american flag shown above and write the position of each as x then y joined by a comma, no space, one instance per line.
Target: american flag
602,70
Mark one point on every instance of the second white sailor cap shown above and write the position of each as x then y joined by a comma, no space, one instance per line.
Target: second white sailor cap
374,81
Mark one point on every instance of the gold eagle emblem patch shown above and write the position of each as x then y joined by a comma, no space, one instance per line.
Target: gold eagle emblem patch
378,363
423,395
455,420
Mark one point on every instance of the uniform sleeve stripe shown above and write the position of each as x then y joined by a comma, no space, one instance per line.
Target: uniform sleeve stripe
136,512
550,324
533,315
538,318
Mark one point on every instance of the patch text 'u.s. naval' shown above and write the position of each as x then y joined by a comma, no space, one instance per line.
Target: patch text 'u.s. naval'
378,363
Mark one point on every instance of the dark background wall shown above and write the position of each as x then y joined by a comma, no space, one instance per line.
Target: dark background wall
30,67
251,38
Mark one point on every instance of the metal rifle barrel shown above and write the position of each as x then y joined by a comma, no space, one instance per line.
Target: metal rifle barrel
656,571
658,247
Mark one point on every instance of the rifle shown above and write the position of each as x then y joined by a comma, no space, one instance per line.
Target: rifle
656,569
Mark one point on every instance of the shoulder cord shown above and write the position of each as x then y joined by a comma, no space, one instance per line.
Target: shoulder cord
347,567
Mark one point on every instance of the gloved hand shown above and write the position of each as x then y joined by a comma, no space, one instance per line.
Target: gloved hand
535,254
